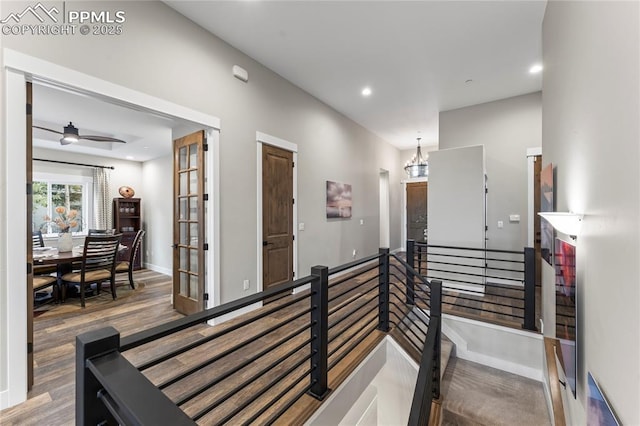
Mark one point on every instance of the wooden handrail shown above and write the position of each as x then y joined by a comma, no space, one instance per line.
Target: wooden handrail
550,348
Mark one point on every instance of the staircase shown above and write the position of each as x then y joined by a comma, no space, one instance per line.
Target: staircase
473,394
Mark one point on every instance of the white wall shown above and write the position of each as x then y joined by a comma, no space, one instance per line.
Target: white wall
591,134
158,214
506,128
125,173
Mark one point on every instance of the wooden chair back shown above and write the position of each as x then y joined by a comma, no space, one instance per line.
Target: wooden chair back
100,253
101,232
38,241
135,247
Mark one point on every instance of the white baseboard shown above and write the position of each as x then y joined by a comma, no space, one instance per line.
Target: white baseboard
398,250
4,399
159,269
235,314
500,364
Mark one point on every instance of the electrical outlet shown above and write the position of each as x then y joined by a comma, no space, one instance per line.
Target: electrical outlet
354,253
361,221
245,285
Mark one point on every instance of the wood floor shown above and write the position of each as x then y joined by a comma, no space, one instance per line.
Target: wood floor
52,399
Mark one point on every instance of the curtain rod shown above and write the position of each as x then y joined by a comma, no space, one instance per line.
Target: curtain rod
74,164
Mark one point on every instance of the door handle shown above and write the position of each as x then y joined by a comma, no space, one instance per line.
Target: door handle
175,245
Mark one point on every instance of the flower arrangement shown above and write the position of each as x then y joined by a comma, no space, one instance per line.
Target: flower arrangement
65,220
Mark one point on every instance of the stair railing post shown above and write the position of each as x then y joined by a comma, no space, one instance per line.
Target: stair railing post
319,332
436,313
409,273
383,290
89,409
529,289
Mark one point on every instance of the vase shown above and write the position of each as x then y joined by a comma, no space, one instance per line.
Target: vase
65,242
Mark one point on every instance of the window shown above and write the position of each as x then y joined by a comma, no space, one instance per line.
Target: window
73,193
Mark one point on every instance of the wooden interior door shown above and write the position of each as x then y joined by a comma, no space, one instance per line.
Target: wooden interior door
417,211
29,156
277,216
188,224
537,239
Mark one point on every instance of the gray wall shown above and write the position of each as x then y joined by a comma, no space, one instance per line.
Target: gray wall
506,128
591,134
158,214
456,197
164,54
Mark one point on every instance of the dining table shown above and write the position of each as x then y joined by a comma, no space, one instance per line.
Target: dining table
63,262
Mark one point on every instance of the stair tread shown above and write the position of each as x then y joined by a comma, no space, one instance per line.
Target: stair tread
475,394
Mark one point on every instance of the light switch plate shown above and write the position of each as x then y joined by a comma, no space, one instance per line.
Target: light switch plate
301,226
500,224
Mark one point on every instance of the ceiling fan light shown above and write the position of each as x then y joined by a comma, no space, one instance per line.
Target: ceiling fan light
68,138
70,134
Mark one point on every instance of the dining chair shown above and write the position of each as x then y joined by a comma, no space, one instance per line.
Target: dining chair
41,282
101,232
98,265
38,242
127,266
37,239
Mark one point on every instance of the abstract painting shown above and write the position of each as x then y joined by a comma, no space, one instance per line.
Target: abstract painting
546,205
338,200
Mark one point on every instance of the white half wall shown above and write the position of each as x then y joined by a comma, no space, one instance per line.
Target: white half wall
507,349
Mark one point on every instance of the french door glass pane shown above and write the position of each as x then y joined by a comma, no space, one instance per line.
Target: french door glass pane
193,156
183,158
193,287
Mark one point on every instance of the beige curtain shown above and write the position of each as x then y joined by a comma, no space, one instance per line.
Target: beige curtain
102,198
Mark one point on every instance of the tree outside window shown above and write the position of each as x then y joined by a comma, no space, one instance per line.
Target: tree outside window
49,195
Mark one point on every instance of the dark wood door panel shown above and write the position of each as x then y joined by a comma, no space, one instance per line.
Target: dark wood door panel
277,216
417,211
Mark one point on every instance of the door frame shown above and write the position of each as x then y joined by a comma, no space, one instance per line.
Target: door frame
385,209
403,233
263,138
531,153
20,68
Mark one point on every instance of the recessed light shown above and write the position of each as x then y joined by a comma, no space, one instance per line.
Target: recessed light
535,69
366,91
129,157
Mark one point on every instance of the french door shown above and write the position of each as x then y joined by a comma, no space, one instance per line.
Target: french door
188,224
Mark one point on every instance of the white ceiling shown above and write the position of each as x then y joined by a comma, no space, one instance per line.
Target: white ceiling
148,136
415,55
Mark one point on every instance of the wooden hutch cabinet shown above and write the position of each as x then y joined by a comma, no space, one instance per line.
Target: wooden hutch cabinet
127,220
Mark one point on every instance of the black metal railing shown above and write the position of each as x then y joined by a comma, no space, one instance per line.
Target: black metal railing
184,371
489,284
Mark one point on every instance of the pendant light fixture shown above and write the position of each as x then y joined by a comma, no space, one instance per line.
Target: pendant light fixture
418,166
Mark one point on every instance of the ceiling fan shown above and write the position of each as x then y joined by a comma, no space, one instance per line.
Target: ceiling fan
71,135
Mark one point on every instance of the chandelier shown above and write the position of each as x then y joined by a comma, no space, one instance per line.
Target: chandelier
418,166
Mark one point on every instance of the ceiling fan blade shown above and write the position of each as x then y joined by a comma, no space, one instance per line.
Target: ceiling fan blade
101,138
48,130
